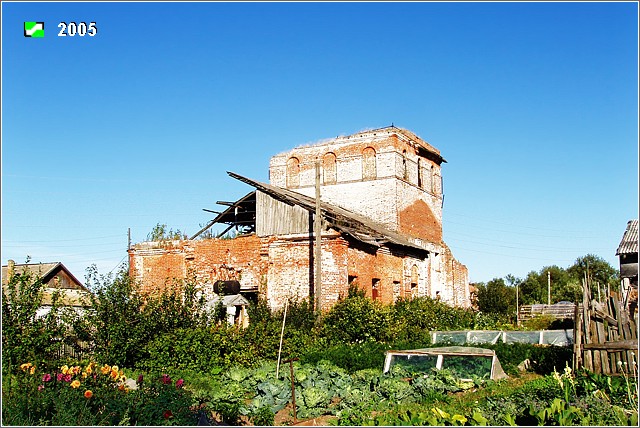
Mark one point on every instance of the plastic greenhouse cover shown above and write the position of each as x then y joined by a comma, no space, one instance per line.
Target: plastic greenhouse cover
521,337
557,337
549,337
466,361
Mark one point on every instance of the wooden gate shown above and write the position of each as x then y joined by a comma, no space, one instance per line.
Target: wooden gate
605,336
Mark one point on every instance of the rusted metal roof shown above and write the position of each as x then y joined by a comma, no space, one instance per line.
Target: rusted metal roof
343,220
629,243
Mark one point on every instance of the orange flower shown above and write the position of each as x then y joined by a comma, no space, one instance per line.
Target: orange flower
26,366
33,370
105,369
114,374
122,387
88,393
75,383
89,369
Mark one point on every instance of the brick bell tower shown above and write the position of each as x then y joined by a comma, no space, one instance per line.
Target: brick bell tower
389,175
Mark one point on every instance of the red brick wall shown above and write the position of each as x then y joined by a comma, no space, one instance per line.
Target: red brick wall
154,264
418,220
366,266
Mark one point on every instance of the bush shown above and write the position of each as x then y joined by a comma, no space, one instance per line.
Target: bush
27,336
543,359
356,319
414,319
359,356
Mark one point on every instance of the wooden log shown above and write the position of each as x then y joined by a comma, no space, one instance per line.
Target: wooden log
618,346
604,355
597,363
577,339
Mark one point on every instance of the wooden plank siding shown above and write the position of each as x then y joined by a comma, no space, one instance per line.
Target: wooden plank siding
274,217
559,311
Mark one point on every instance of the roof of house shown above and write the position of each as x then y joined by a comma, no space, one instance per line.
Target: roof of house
46,271
358,226
629,243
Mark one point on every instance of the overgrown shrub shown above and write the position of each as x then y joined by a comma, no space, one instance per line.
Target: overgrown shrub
354,357
26,335
356,319
542,359
413,319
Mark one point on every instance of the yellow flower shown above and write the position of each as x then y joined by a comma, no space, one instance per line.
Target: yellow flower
89,369
75,383
26,366
64,369
84,375
123,378
114,374
105,369
33,370
115,368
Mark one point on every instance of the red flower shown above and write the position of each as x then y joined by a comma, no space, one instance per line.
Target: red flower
167,414
179,383
59,376
139,381
46,377
166,379
67,378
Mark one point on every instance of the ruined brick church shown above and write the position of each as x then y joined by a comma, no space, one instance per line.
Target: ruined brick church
380,194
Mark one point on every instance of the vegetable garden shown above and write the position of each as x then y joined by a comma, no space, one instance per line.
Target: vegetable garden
164,361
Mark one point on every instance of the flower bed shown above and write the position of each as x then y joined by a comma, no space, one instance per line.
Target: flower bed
93,394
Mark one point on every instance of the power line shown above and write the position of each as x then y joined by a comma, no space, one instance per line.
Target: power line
67,240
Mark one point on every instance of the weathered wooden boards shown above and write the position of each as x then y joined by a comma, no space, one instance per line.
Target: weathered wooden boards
605,335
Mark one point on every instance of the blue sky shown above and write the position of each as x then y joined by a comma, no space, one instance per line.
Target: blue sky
534,106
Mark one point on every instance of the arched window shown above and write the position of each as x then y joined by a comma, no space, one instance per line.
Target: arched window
437,184
369,171
420,183
293,172
329,168
405,172
415,276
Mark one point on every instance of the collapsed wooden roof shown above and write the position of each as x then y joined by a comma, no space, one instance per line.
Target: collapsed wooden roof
355,225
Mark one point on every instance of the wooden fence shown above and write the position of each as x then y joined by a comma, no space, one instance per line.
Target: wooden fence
558,311
77,350
605,336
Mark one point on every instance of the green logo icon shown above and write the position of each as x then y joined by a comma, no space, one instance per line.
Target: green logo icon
34,29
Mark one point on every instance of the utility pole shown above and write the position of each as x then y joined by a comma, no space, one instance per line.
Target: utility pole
517,306
317,231
548,287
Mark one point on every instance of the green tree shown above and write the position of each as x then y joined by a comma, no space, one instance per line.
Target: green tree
496,297
535,287
598,270
115,324
27,334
